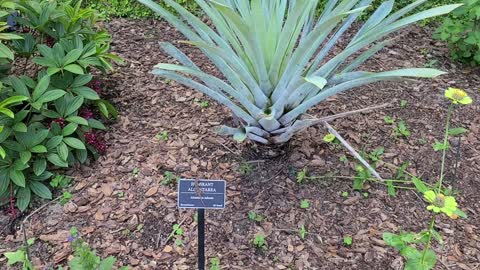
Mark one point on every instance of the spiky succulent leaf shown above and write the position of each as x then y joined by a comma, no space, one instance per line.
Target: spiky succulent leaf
269,57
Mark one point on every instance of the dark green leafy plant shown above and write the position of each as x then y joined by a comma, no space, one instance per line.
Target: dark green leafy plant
462,32
47,119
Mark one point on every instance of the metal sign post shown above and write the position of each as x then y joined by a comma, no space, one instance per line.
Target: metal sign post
201,195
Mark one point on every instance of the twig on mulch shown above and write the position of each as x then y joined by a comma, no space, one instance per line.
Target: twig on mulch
22,226
352,150
345,114
157,244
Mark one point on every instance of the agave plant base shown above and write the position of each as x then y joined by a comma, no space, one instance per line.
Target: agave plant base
259,151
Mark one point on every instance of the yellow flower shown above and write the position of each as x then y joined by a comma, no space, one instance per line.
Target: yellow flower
458,96
329,138
441,203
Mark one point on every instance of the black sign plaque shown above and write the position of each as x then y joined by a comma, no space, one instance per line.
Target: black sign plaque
201,194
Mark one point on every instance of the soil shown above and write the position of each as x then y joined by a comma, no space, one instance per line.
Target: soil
130,215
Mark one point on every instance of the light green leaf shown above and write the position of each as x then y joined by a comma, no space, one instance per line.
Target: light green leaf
457,131
39,149
75,69
317,81
56,160
77,120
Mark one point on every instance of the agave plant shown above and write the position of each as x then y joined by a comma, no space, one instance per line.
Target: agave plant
275,56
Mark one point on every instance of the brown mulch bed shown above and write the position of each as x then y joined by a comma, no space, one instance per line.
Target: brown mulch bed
131,215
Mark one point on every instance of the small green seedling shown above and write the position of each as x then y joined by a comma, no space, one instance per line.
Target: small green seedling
60,181
169,178
345,194
301,175
66,197
402,130
302,232
376,154
178,233
304,204
245,168
438,146
403,104
135,171
204,104
347,240
389,120
162,136
253,216
365,194
215,263
260,242
343,158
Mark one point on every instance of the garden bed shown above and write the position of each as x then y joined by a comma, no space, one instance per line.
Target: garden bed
122,209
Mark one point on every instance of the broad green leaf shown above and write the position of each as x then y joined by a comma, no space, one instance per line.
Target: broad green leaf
81,80
457,131
460,213
7,112
23,198
18,256
5,52
41,87
20,127
4,180
419,185
57,161
51,95
12,100
62,151
75,69
86,92
74,105
74,143
17,177
3,154
53,142
39,149
71,57
107,263
19,86
77,120
25,156
420,262
96,124
69,129
393,240
40,189
39,166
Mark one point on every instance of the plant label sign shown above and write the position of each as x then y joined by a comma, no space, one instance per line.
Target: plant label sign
201,194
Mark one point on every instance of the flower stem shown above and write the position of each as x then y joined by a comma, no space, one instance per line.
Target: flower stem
444,153
430,230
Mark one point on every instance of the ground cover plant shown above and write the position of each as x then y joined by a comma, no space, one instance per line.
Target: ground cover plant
50,98
272,81
462,32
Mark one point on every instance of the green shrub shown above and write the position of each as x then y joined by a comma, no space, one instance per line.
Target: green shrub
462,32
47,102
132,9
268,54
